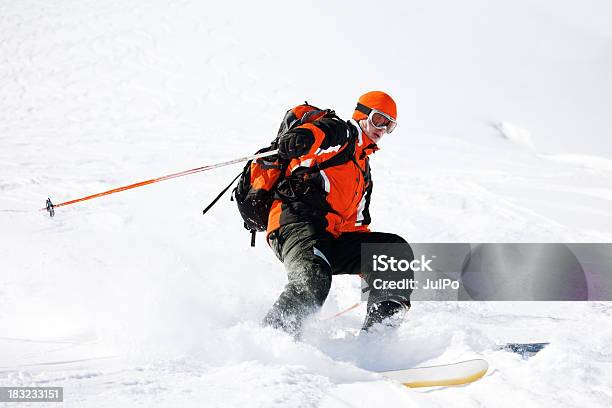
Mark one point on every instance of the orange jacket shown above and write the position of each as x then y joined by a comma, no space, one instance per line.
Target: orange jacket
338,197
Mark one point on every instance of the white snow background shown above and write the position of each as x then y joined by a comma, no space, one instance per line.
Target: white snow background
136,299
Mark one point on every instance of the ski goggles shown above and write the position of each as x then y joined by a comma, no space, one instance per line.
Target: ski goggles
378,119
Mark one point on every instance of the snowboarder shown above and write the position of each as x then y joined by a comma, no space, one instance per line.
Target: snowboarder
319,231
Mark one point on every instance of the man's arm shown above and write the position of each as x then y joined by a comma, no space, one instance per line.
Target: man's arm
320,140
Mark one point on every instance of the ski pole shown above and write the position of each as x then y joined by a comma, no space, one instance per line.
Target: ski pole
342,312
50,207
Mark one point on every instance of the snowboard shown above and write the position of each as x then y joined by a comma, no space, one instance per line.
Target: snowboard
463,372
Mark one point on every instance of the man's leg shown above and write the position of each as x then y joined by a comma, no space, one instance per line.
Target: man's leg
346,258
302,248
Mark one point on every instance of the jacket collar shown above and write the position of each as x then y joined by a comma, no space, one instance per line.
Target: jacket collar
364,143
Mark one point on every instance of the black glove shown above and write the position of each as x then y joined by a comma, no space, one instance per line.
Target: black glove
293,144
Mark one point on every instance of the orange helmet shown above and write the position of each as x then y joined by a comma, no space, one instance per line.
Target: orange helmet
376,100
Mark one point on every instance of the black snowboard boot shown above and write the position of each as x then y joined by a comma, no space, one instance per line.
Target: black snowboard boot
388,312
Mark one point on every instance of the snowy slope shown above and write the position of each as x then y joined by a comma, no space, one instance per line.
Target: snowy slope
136,299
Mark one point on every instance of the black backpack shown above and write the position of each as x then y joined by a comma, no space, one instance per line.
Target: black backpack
256,188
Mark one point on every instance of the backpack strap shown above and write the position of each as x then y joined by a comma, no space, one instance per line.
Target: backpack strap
348,153
213,202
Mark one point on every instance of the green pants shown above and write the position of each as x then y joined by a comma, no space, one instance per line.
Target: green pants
311,257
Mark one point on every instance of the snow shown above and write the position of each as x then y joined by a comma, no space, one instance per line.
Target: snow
136,299
516,134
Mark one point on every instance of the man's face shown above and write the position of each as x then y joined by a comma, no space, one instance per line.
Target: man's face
373,133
